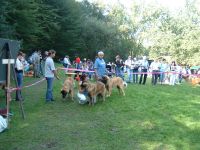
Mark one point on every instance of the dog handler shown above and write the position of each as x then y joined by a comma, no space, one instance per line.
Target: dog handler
50,72
19,73
100,66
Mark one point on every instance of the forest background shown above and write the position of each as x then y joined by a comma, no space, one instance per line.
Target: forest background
83,28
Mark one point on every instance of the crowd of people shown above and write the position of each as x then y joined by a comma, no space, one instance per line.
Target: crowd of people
132,70
136,70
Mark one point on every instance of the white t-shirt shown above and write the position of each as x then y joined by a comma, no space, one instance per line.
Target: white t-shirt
49,67
66,61
155,66
128,63
144,64
19,65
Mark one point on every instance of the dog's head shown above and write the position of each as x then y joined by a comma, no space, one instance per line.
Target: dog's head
105,79
83,77
83,85
64,93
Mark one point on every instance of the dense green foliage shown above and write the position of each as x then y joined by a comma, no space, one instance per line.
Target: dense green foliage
83,28
147,118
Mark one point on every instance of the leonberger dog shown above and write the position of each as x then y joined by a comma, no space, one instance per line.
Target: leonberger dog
93,90
195,81
113,82
68,88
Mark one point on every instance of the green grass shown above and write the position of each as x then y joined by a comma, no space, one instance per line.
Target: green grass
147,118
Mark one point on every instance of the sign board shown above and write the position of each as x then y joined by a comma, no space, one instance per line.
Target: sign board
6,61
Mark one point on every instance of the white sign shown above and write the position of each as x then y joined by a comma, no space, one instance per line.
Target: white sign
5,61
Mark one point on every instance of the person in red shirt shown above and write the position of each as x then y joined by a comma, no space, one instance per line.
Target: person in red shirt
78,66
78,62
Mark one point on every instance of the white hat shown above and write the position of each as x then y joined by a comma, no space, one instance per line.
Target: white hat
100,53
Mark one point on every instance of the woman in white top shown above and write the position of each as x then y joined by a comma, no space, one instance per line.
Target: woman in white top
173,73
50,72
19,74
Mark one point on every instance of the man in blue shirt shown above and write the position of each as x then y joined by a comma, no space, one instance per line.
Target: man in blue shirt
100,66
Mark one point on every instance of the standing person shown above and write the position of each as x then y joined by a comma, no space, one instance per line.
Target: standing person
155,67
50,72
46,53
100,66
66,62
144,67
119,66
78,63
19,74
44,57
179,74
85,66
25,64
129,68
36,64
90,65
135,70
163,70
173,73
41,63
109,69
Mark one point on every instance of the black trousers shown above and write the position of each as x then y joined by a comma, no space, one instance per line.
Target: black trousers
143,76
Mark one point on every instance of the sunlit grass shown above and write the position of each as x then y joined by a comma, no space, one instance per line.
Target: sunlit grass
148,117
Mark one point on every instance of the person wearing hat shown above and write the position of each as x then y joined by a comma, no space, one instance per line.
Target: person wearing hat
100,66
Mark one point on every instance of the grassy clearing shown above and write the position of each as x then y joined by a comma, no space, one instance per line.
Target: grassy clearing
147,118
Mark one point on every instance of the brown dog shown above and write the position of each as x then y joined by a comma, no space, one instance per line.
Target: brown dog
113,82
93,89
195,81
68,88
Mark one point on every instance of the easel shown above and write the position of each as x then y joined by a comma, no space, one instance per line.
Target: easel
10,65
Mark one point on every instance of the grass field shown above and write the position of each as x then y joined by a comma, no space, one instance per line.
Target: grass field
147,118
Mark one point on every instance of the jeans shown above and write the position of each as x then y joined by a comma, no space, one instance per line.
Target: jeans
65,65
119,73
49,93
154,77
130,75
162,76
145,76
19,85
